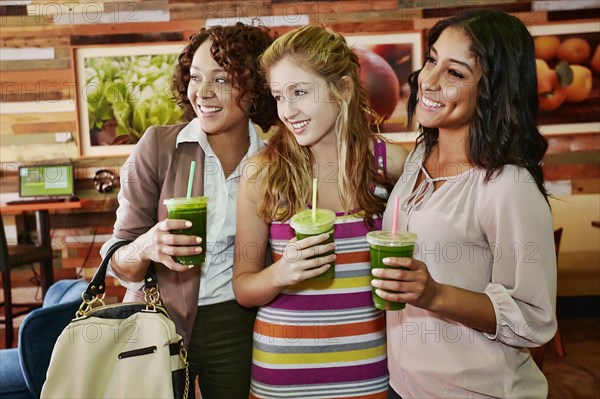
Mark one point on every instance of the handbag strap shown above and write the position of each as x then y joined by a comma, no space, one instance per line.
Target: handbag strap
97,286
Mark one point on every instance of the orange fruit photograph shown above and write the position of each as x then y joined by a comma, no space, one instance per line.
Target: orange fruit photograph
568,74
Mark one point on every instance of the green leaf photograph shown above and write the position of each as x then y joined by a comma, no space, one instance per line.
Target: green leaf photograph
123,91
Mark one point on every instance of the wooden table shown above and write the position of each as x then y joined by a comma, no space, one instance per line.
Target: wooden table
42,223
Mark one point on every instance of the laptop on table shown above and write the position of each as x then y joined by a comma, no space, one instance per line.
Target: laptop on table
45,183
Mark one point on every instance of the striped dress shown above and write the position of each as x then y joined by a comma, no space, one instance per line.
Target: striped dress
323,339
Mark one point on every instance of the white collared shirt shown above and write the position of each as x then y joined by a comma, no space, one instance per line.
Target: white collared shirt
217,271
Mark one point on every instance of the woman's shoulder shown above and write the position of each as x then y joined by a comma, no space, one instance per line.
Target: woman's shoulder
514,190
510,176
256,164
413,159
254,171
396,155
511,183
168,131
159,134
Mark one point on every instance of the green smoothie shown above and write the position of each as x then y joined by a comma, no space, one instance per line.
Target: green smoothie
384,244
305,226
194,210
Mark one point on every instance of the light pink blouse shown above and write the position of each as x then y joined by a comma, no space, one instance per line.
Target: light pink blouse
495,238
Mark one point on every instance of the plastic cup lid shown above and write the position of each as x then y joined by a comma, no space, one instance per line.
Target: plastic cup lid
387,239
192,201
303,220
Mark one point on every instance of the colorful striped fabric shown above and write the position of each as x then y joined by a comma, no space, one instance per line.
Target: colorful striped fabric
323,339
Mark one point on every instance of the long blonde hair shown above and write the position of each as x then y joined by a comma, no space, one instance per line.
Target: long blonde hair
287,166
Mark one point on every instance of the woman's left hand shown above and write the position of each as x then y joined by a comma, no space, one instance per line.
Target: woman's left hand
414,286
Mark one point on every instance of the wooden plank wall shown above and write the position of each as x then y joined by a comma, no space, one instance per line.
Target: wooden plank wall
38,117
38,95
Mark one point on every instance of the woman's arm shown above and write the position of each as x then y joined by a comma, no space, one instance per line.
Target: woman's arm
517,222
137,217
253,284
131,262
473,309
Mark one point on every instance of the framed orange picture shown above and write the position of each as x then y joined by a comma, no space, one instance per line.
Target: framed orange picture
574,108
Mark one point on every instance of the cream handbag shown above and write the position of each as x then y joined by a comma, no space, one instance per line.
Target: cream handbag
118,351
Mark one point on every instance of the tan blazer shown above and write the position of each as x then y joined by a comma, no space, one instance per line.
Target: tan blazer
154,171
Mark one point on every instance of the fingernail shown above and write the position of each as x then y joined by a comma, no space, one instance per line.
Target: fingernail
375,272
198,240
198,250
375,283
386,261
188,224
379,292
326,235
190,266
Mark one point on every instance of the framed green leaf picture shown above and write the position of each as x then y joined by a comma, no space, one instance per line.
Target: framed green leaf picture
123,90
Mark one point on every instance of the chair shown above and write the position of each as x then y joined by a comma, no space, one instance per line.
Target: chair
558,342
539,352
23,369
13,256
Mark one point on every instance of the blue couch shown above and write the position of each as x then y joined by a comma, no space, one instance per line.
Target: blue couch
23,369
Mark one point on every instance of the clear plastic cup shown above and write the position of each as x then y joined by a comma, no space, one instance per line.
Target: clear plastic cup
194,210
384,244
305,226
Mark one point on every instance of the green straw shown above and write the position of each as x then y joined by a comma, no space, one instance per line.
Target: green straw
191,180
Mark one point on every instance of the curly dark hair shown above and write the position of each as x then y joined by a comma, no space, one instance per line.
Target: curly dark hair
236,48
504,126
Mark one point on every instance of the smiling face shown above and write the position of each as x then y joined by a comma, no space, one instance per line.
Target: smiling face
448,84
213,97
304,103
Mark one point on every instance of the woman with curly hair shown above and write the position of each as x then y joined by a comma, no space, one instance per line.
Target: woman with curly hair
315,338
218,85
481,287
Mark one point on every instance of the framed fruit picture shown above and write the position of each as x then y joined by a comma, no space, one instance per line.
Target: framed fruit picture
386,62
568,73
122,90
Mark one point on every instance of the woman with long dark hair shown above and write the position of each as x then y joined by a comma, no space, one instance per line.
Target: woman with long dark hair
481,287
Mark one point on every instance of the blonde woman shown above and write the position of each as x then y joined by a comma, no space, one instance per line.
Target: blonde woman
314,338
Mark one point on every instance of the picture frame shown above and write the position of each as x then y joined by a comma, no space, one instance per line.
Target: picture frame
122,90
569,117
386,61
